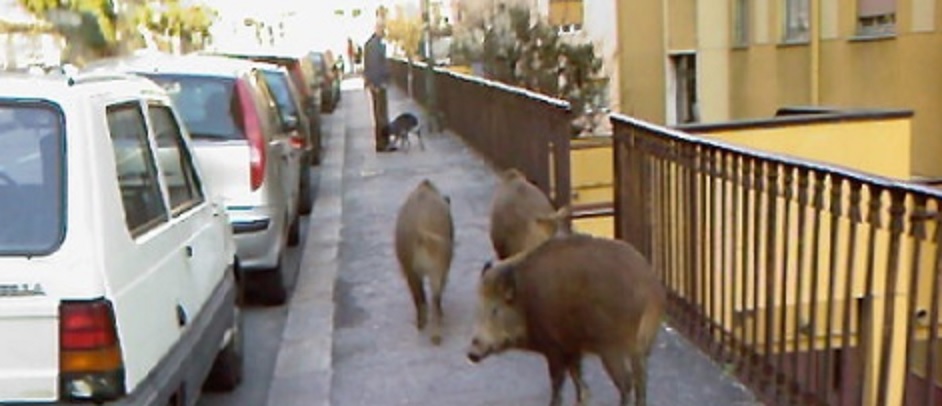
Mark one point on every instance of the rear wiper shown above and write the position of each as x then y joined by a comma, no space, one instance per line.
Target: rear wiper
208,136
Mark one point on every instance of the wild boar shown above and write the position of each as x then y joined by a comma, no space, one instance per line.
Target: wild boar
521,215
424,240
572,295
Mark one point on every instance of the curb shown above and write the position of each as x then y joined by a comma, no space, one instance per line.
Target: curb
303,368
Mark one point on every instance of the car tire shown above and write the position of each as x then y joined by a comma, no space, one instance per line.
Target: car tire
228,367
272,286
294,232
306,201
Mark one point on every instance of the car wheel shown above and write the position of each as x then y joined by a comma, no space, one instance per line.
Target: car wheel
294,232
306,203
227,370
272,286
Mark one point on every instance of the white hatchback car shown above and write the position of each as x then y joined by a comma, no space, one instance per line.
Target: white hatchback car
117,279
247,153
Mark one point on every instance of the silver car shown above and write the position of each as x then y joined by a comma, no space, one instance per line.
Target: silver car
244,149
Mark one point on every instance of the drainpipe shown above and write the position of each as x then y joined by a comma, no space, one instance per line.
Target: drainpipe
815,48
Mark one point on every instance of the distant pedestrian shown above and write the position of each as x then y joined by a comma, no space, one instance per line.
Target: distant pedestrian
376,78
350,55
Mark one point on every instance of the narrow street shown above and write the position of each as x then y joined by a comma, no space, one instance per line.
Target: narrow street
371,353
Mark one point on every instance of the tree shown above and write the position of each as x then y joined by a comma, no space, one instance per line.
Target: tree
526,51
405,32
96,31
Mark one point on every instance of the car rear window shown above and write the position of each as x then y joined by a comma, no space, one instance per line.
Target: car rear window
279,86
32,147
207,105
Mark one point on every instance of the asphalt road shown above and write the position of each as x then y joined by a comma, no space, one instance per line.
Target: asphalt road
263,328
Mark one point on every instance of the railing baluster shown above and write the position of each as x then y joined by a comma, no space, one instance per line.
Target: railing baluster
789,194
800,378
758,176
771,270
897,211
917,232
935,290
818,205
875,193
709,211
725,311
836,201
856,217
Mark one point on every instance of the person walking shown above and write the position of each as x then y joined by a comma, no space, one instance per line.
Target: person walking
376,78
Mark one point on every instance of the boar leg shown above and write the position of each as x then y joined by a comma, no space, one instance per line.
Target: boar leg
582,390
639,369
557,371
617,369
438,286
418,298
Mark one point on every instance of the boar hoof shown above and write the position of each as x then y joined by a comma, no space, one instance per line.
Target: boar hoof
437,339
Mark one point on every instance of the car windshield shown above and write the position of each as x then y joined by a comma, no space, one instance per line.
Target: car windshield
278,84
206,104
31,178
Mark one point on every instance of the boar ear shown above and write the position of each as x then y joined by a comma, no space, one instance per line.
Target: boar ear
505,284
487,265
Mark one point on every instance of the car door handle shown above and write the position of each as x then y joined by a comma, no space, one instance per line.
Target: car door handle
189,251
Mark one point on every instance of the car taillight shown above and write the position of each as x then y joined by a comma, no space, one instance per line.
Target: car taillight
253,133
297,141
91,367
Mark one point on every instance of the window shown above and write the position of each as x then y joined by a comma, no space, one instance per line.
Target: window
32,181
207,105
876,17
179,175
741,23
796,21
144,207
685,88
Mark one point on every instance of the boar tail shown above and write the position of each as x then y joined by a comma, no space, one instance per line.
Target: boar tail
648,328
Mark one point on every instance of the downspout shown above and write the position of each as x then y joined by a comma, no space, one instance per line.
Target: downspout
815,48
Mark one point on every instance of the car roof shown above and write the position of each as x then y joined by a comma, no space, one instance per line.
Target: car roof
189,64
59,88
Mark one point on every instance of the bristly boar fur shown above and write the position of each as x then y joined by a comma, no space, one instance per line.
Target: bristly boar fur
424,242
572,295
522,216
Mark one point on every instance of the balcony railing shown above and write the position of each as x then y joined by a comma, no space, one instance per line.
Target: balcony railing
819,285
511,127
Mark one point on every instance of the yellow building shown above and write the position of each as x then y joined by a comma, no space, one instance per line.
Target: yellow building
688,61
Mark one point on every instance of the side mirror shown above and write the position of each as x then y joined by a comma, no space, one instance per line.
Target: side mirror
290,122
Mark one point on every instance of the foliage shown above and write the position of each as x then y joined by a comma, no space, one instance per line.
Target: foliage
406,33
524,51
100,25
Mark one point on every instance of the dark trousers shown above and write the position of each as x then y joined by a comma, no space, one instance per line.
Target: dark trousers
380,116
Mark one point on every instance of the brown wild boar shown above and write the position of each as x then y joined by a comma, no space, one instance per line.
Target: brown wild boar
521,215
424,246
572,295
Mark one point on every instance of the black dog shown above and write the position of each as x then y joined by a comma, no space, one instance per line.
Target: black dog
397,131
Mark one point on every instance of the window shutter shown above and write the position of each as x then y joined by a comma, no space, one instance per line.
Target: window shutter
870,8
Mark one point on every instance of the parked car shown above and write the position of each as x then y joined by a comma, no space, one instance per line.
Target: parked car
245,151
117,266
329,77
303,75
294,119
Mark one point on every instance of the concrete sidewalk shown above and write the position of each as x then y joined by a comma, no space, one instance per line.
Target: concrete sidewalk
350,337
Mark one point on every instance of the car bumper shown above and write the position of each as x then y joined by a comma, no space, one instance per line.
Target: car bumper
259,238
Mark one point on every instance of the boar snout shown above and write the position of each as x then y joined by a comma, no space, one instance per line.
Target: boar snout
477,352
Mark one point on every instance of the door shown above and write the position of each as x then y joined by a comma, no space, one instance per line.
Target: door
195,223
682,89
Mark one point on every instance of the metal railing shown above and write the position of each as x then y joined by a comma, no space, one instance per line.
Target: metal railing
511,127
818,285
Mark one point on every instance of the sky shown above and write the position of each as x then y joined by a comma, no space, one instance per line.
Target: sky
310,24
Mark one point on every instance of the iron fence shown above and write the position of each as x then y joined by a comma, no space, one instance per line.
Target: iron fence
511,127
816,285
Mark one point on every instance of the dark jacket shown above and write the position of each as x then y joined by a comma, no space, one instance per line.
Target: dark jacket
375,70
